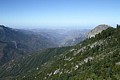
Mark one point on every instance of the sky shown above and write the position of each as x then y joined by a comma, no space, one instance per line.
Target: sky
59,13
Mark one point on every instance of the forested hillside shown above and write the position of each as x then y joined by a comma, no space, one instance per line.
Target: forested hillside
96,58
15,43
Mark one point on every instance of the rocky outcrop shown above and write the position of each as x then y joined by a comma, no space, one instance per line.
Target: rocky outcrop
97,30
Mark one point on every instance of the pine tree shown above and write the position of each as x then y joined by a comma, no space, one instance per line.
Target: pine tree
118,26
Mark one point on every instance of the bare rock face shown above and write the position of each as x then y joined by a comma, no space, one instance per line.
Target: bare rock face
97,30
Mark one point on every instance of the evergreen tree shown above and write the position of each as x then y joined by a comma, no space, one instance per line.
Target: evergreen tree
118,26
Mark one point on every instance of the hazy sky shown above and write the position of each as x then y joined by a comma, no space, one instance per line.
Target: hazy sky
57,13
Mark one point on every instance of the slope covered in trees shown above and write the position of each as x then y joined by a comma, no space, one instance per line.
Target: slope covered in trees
15,43
96,58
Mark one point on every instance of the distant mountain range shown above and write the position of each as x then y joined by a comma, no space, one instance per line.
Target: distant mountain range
63,37
15,43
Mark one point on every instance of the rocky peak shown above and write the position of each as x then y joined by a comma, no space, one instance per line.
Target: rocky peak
97,30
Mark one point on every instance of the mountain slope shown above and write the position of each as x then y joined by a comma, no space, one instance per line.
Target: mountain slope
93,59
33,61
34,42
97,30
96,58
15,43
